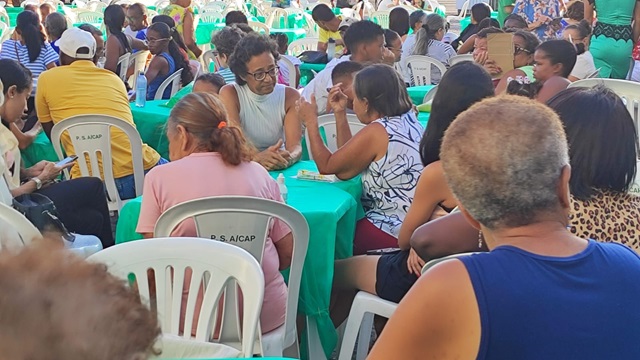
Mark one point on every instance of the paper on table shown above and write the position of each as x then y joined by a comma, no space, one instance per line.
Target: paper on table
500,49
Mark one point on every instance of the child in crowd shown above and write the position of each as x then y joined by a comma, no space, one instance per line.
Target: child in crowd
342,78
209,83
282,40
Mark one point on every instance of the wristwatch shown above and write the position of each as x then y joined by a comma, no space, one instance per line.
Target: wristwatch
38,183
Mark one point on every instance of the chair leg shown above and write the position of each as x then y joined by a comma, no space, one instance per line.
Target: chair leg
356,316
364,337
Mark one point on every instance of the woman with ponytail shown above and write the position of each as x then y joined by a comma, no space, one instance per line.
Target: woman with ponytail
167,59
429,43
166,19
118,43
579,34
203,147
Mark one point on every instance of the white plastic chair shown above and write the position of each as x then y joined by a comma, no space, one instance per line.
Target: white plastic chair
421,68
21,224
215,6
299,46
259,27
139,61
91,135
97,6
123,62
629,91
211,16
273,21
430,95
30,2
460,58
463,13
310,26
90,17
435,262
250,217
292,71
381,17
209,57
173,80
4,17
213,263
328,123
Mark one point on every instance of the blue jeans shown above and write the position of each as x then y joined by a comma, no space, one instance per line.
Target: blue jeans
126,185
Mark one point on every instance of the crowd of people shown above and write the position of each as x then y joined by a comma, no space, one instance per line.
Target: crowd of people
514,164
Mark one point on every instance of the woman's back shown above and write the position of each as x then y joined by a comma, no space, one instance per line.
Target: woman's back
13,49
540,307
615,12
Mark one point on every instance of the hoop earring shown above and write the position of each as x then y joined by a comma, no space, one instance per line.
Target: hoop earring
480,239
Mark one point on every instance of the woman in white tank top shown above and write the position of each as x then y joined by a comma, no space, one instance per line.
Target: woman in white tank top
264,110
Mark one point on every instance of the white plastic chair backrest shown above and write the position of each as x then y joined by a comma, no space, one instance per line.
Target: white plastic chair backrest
259,27
139,62
292,71
4,17
21,224
123,62
348,12
97,6
328,123
209,57
464,9
211,16
310,25
244,221
91,138
173,80
5,193
420,67
30,2
435,262
430,95
213,263
629,91
216,7
273,21
299,46
381,17
460,58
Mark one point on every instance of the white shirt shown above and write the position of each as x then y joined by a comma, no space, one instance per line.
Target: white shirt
321,83
584,66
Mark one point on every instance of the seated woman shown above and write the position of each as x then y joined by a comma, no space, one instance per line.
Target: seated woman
167,59
580,34
554,60
390,276
385,152
201,147
262,108
118,43
81,203
429,43
490,305
479,12
595,119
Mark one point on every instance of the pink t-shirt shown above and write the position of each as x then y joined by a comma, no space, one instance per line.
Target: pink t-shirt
205,174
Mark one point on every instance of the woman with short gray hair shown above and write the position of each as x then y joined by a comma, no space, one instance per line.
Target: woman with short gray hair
541,292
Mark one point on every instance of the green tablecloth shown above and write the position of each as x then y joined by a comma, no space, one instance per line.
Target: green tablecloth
150,121
306,73
204,31
466,21
331,209
417,93
423,119
40,149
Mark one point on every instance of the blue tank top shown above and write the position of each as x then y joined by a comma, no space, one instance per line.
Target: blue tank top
538,307
155,84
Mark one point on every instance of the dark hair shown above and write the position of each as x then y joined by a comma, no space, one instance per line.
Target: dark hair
432,24
245,28
482,34
281,39
399,20
528,90
389,36
31,7
584,29
201,114
487,23
28,26
141,7
361,32
226,39
522,23
178,57
416,17
575,11
56,24
90,29
166,19
383,88
480,11
531,41
47,6
12,73
345,68
560,52
602,140
213,79
322,12
463,85
114,22
249,46
235,17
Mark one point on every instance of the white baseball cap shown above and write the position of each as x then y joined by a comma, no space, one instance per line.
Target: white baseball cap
73,39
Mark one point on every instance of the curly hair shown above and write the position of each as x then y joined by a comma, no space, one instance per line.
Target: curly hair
251,45
226,39
55,305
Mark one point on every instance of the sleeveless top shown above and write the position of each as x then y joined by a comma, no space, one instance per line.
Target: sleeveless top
177,13
388,185
541,307
262,116
155,84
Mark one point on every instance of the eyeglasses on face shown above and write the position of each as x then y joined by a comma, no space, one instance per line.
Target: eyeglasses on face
517,50
261,75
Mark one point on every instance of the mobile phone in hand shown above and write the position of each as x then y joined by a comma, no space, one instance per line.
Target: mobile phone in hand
383,251
67,161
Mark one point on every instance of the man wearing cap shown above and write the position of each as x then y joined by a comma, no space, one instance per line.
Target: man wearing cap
78,87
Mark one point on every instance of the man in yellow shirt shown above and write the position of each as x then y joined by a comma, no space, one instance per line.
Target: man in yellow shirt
329,25
78,87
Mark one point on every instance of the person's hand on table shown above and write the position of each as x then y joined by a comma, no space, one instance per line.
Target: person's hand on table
308,111
337,99
273,158
414,263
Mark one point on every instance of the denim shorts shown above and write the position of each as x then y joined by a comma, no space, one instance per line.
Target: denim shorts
126,185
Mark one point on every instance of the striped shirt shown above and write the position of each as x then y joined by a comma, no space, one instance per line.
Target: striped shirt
12,49
228,76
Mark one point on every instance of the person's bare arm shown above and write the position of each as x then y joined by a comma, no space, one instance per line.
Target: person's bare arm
189,35
137,44
552,87
467,46
431,190
113,54
157,66
448,235
589,11
292,126
437,319
25,138
284,247
51,65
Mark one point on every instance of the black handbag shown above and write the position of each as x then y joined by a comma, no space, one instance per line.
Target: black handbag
313,57
41,211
